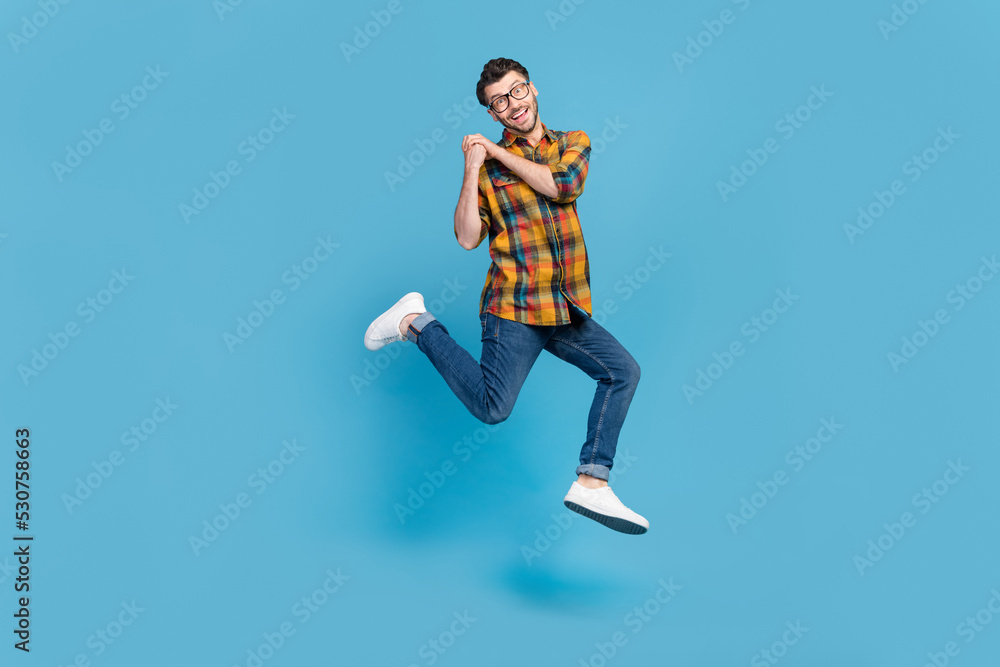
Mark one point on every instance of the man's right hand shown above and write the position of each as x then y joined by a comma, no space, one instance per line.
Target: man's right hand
468,225
475,155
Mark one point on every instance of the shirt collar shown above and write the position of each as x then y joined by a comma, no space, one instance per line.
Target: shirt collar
509,138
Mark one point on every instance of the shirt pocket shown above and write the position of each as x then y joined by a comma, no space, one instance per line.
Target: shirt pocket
505,186
503,180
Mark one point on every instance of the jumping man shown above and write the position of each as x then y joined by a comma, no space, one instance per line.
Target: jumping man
522,194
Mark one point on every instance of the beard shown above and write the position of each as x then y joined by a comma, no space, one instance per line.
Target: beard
525,128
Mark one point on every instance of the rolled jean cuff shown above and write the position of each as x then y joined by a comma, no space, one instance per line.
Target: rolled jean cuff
594,470
418,323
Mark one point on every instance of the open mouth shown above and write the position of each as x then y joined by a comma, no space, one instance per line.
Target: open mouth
519,116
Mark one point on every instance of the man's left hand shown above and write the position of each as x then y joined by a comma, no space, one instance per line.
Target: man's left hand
492,150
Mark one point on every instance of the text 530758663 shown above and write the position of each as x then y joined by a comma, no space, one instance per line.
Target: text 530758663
22,543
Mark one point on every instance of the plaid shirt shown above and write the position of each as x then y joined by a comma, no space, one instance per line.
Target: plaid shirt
540,261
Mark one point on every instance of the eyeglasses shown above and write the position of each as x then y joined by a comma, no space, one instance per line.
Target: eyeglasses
518,92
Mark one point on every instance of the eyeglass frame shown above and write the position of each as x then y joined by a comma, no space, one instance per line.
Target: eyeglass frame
509,96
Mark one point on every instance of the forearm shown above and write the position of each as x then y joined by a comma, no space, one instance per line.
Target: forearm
467,222
538,176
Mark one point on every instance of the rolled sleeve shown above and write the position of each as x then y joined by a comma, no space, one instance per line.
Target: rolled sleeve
570,172
484,217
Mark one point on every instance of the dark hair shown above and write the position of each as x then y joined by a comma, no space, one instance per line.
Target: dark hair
495,70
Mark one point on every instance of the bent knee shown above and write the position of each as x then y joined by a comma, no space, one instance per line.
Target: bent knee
497,415
631,372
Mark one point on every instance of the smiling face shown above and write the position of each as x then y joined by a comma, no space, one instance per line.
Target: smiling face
520,116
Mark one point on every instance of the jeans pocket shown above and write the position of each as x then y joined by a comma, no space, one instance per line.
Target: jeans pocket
491,325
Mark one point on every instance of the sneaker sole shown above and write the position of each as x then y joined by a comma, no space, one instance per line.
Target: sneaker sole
612,522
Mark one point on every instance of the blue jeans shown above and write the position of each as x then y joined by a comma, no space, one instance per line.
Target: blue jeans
488,388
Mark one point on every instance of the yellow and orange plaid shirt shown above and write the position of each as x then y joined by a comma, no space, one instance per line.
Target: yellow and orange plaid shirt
540,263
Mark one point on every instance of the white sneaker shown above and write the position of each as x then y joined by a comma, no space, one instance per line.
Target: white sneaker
385,328
603,506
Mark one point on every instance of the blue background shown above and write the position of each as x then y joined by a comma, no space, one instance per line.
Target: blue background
373,427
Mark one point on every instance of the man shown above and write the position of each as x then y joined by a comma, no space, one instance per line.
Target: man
522,193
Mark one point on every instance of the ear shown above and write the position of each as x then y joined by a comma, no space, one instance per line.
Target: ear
492,115
534,91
